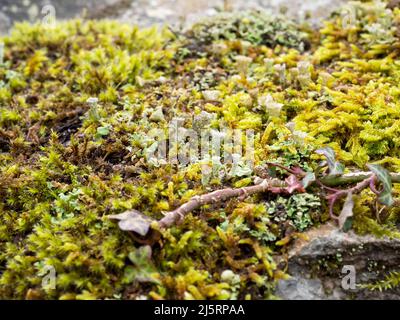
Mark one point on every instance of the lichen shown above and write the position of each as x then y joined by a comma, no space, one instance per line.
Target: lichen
255,27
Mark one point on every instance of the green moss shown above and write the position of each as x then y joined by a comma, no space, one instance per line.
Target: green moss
370,218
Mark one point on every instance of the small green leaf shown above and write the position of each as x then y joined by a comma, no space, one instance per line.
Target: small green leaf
143,269
335,167
348,224
346,216
383,176
141,256
328,153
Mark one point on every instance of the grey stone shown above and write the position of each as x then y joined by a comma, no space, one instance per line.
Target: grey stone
5,23
316,265
300,289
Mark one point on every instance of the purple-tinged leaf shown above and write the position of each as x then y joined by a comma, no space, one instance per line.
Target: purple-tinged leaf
293,184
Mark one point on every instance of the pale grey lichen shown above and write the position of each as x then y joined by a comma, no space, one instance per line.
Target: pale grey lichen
254,27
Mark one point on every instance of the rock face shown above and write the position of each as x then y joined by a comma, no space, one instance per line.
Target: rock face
321,266
149,12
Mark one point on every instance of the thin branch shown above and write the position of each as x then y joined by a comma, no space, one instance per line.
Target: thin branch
140,224
350,178
219,196
281,167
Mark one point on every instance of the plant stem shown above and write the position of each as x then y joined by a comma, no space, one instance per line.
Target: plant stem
271,185
275,186
356,177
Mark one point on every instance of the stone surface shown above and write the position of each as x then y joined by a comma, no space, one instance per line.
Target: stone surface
316,265
301,289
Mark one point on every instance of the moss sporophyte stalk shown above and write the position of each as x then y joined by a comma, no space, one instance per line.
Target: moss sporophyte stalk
78,105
